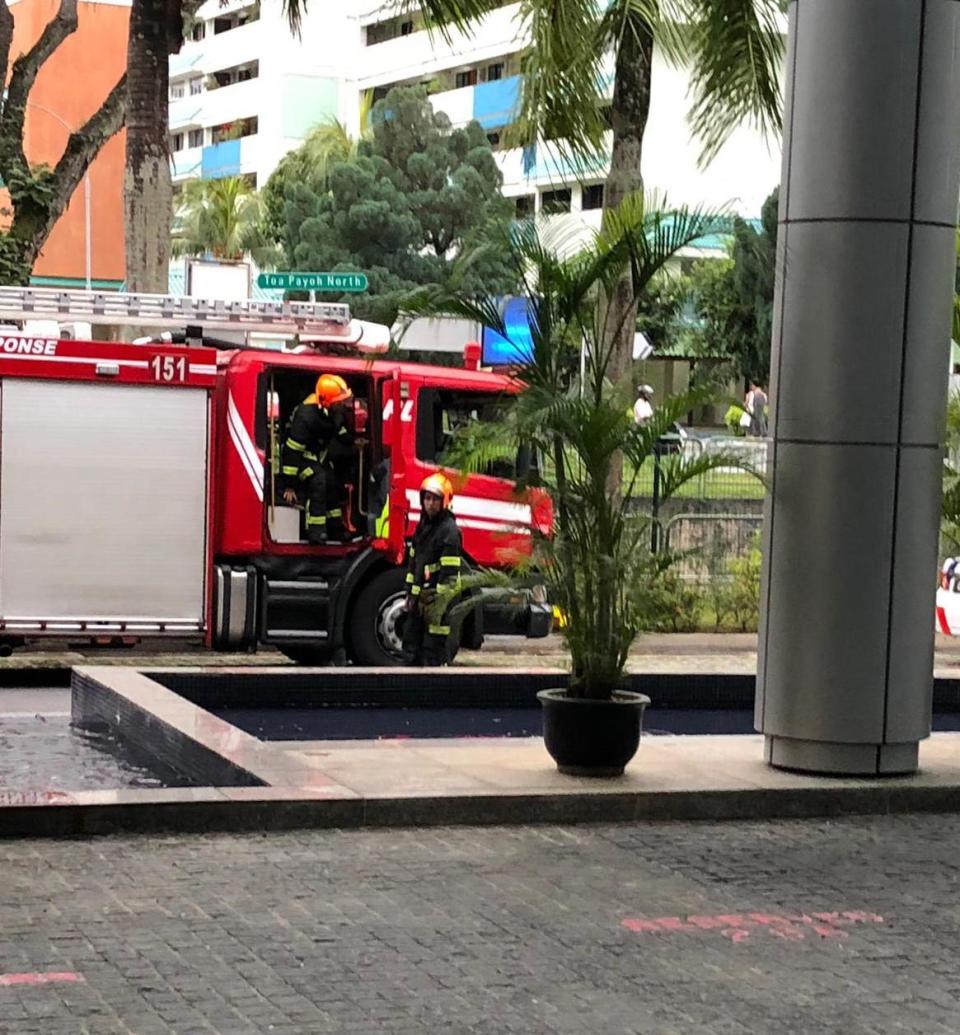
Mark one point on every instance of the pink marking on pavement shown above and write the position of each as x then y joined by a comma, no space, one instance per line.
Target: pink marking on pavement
942,619
737,927
50,977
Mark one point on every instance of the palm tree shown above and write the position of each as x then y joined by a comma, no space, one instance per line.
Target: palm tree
219,218
156,32
330,141
597,564
733,48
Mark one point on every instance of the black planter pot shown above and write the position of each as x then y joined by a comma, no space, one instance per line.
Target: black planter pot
592,738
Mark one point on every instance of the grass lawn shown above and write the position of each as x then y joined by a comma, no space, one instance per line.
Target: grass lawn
721,484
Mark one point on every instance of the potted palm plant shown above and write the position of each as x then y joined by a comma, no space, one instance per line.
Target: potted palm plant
596,461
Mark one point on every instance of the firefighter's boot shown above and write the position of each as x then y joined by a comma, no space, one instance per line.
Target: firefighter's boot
317,527
335,530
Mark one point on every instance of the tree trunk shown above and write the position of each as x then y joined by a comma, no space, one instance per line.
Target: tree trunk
155,33
631,107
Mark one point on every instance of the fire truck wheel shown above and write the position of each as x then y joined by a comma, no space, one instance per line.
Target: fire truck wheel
376,621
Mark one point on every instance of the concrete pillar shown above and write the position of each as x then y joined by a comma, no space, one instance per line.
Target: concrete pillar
868,205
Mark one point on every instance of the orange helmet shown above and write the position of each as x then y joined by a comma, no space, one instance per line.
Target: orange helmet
332,389
438,485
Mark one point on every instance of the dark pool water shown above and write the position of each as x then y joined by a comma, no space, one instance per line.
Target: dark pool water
374,723
43,752
371,723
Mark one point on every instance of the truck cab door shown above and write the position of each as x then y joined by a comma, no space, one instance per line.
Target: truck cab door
391,526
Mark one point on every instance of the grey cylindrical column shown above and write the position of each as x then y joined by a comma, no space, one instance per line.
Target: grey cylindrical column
868,205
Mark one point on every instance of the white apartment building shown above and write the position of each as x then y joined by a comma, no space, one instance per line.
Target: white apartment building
244,92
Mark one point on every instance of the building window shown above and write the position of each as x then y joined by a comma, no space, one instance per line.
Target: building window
593,196
236,19
176,91
494,71
196,86
526,204
235,130
195,138
468,78
197,32
176,142
390,29
555,201
237,74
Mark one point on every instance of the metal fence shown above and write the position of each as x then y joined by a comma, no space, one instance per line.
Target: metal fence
717,516
721,483
709,541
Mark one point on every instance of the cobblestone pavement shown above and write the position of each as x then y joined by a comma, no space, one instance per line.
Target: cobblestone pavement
830,927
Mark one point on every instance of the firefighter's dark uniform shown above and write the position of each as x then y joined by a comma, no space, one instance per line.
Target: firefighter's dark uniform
317,439
433,560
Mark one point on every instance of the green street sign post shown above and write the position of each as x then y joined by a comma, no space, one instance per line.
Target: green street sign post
337,283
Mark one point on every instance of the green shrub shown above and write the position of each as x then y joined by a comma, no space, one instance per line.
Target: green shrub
736,594
673,605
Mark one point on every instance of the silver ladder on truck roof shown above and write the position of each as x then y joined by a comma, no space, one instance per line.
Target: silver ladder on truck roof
326,319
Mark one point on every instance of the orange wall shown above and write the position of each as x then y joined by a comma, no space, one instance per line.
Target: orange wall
73,83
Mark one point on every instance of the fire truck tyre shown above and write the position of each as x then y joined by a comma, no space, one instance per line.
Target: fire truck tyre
376,621
315,656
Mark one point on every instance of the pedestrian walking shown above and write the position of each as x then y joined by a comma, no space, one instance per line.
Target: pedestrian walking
643,407
756,406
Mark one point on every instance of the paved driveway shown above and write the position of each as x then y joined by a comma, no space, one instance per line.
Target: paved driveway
829,927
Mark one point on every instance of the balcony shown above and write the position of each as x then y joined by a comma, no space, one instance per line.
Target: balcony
496,103
186,164
229,158
457,105
187,111
420,55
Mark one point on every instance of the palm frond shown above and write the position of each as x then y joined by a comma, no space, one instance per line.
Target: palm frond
736,53
562,84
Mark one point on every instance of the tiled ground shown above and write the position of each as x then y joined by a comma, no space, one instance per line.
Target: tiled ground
496,930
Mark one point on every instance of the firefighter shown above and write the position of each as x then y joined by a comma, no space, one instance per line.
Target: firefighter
318,438
433,561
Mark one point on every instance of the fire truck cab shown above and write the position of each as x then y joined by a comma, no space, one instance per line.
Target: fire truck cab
139,489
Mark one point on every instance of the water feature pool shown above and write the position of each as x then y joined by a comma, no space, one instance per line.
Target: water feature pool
373,723
41,751
362,723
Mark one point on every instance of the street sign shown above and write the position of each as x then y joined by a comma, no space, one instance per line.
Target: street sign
336,282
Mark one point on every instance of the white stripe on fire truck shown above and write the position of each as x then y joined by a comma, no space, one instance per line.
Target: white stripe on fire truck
244,447
139,364
482,524
498,511
201,369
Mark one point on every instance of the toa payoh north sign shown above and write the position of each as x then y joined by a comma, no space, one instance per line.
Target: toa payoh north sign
334,282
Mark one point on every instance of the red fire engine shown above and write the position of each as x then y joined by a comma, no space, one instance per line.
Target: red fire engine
138,490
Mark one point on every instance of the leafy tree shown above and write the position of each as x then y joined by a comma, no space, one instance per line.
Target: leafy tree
39,194
733,49
417,196
325,145
219,218
734,298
